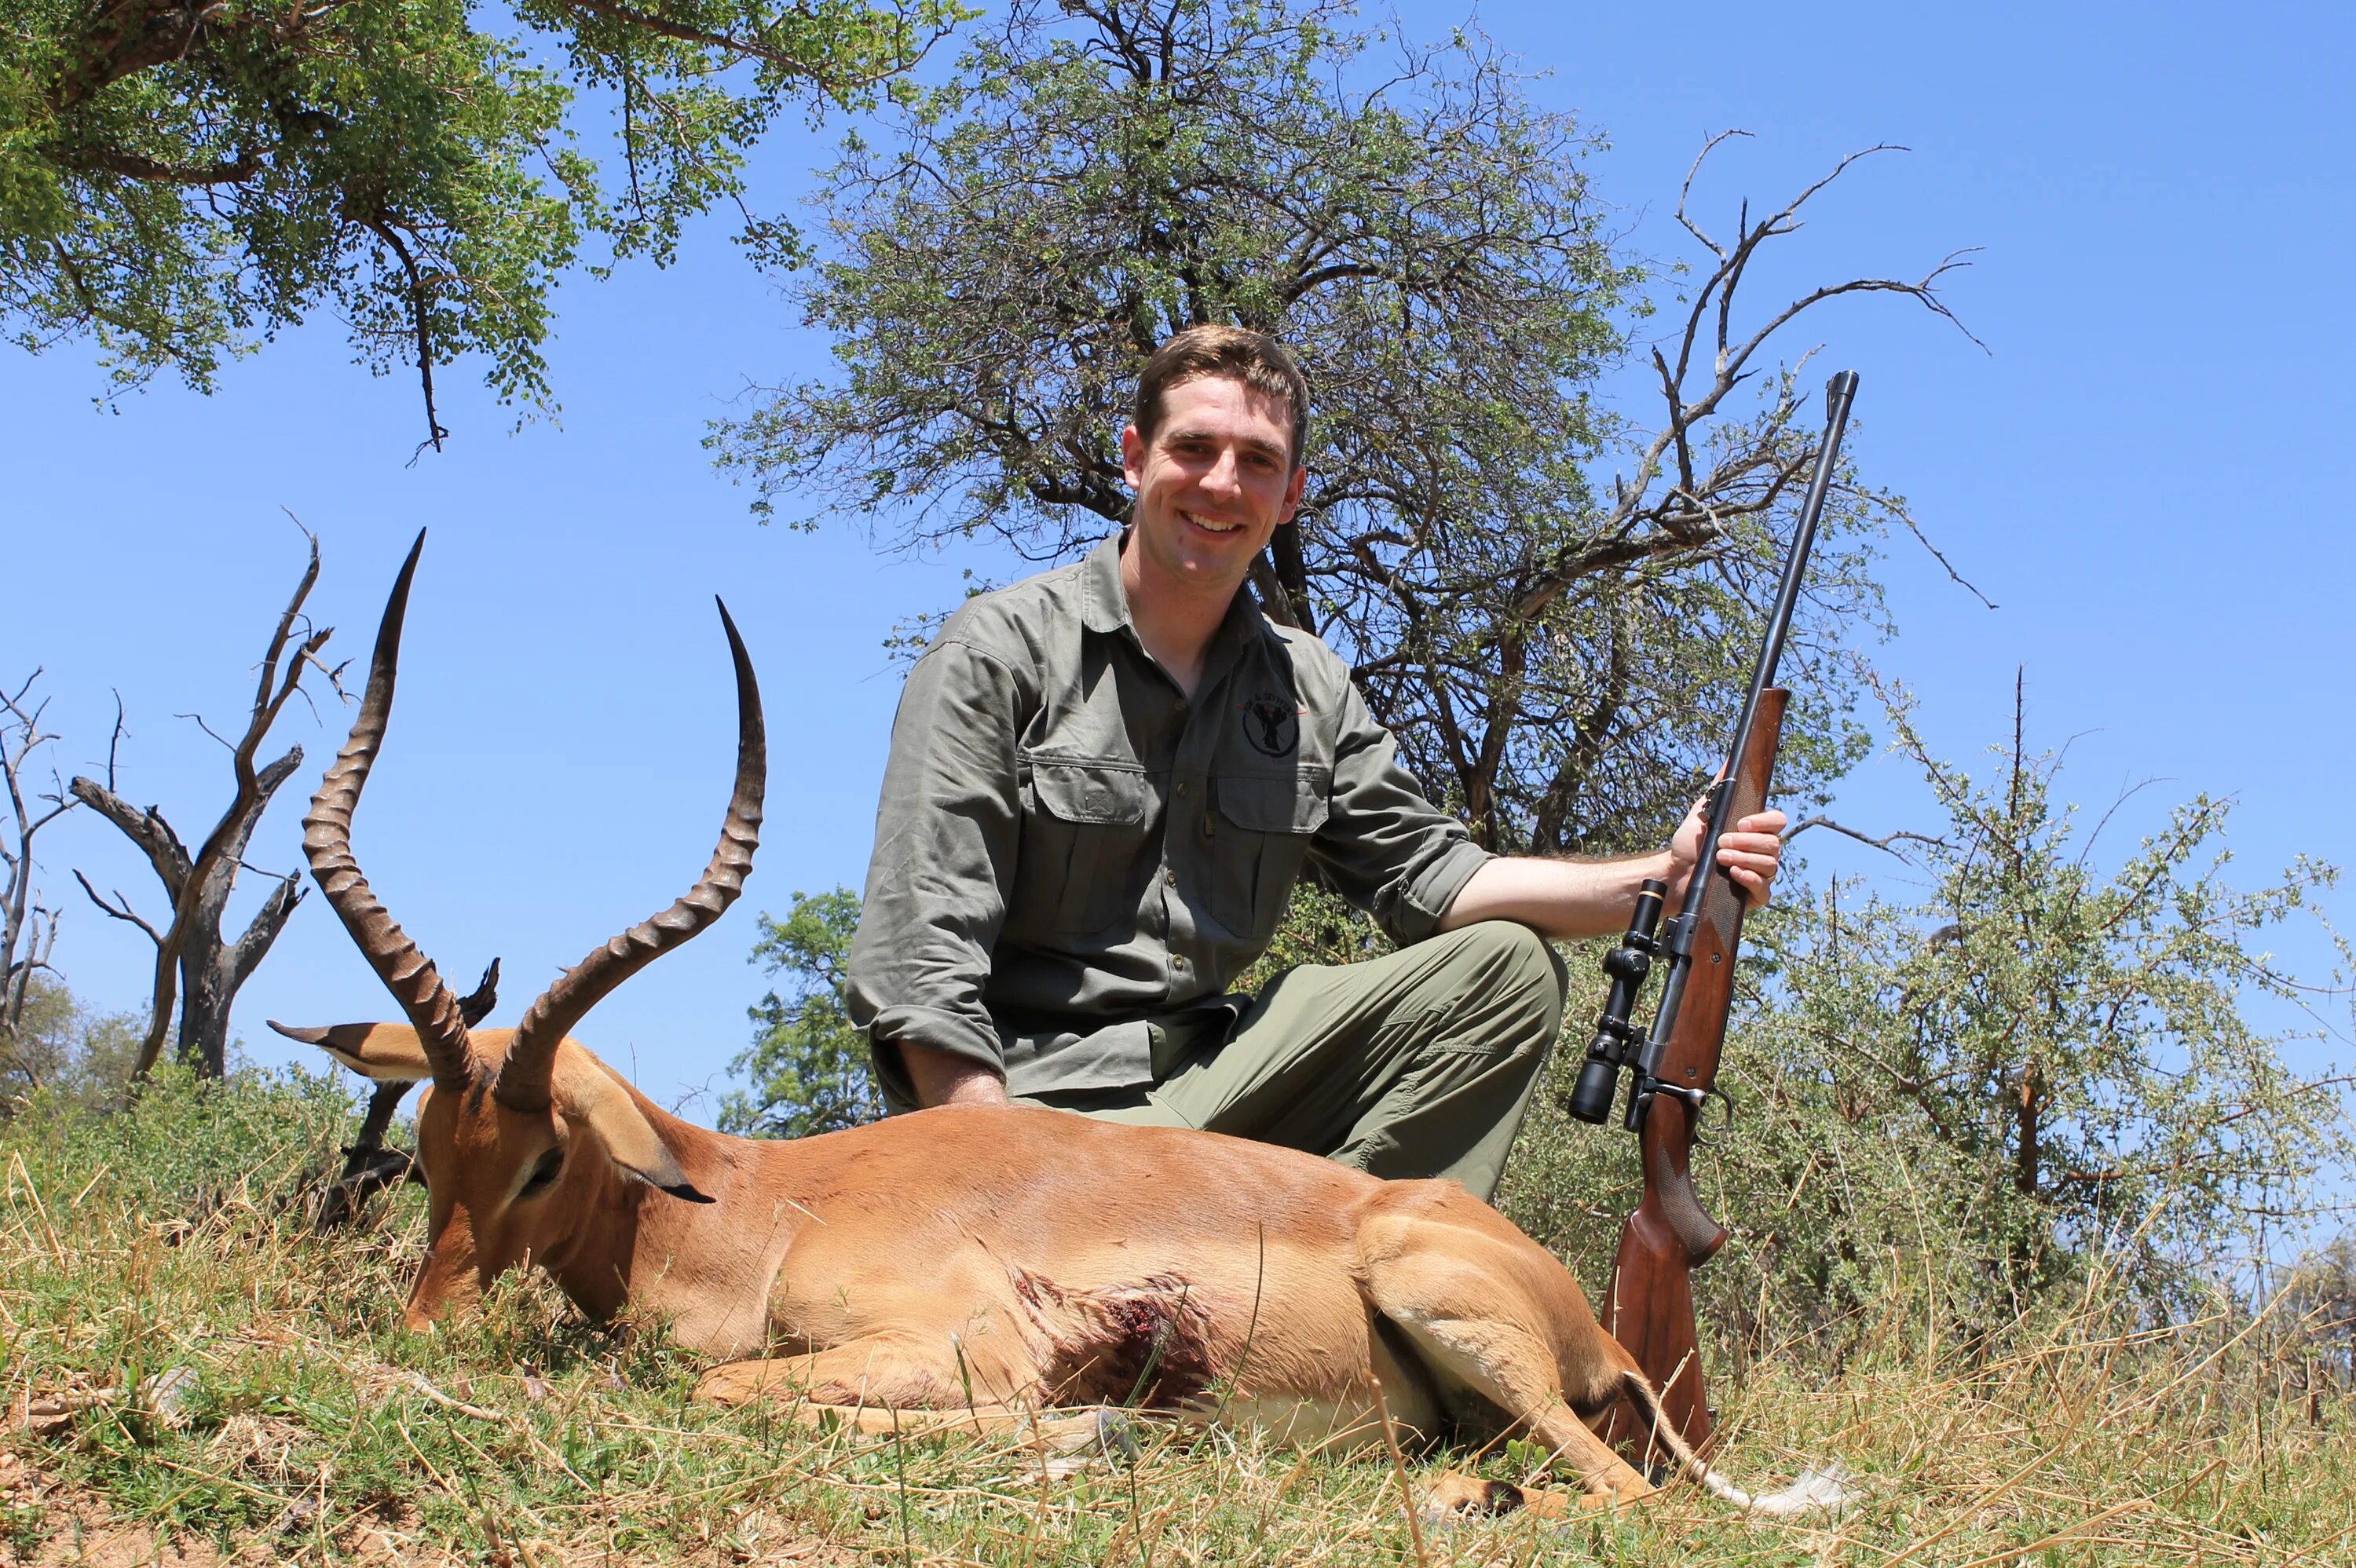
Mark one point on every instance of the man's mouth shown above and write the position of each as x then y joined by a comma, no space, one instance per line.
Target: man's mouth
1209,524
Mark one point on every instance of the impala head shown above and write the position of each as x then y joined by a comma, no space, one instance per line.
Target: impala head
523,1136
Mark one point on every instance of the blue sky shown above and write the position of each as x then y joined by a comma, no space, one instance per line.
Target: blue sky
2162,200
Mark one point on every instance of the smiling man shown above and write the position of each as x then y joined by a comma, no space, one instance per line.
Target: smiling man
1104,782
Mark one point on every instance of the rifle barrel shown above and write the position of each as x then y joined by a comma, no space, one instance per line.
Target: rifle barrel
1840,392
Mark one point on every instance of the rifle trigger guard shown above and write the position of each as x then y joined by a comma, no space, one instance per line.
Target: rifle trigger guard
1700,1100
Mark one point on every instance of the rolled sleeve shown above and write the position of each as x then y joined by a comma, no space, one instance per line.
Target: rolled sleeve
946,830
1384,846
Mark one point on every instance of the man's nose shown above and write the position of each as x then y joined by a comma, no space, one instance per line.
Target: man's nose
1226,473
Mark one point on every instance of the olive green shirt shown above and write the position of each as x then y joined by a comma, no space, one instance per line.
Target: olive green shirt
1072,860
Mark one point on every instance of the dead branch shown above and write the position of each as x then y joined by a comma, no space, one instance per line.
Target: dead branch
119,909
1885,843
145,827
1648,521
421,317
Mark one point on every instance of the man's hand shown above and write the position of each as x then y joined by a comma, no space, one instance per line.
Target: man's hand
941,1079
1751,851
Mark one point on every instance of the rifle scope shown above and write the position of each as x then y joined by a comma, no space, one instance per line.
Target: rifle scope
1615,1043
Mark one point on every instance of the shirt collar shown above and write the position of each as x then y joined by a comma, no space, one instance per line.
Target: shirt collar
1104,602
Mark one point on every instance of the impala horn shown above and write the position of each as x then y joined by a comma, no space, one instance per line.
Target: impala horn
407,972
524,1078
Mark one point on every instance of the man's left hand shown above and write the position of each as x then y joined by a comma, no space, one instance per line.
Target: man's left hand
1750,851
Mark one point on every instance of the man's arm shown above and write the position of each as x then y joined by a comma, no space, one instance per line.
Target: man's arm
1571,899
941,1079
945,834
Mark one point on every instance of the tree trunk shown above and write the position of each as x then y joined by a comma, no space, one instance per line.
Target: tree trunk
2026,1153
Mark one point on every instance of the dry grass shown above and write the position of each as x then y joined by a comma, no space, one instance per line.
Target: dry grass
307,1427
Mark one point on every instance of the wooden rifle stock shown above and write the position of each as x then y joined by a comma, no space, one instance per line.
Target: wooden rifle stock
1649,1307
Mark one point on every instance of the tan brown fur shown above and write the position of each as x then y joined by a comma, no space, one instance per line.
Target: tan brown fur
1015,1259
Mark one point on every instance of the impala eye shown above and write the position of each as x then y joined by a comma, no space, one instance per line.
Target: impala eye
544,1174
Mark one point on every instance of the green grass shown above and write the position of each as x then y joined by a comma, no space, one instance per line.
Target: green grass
309,1427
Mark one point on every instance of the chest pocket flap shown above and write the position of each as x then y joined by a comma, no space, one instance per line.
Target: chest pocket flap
1286,803
1100,793
1079,868
1267,822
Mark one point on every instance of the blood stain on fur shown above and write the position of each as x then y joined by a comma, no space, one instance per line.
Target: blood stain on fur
1144,1344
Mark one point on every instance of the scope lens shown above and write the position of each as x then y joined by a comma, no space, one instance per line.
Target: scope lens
1591,1096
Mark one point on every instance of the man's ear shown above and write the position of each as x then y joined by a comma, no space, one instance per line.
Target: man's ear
587,1088
1132,454
389,1053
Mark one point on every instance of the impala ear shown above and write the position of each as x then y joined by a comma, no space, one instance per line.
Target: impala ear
389,1053
590,1090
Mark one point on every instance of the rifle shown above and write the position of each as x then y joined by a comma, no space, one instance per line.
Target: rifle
1649,1307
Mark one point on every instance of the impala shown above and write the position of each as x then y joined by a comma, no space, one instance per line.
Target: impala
978,1262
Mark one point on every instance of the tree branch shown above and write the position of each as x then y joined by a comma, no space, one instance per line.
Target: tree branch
376,224
120,909
767,54
146,829
131,165
199,887
1883,843
263,929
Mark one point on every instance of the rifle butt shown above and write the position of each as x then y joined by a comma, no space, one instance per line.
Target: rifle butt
1649,1309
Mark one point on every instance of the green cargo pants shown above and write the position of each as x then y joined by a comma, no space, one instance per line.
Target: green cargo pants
1418,1063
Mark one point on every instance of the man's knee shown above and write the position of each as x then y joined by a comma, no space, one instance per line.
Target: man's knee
1515,969
1520,964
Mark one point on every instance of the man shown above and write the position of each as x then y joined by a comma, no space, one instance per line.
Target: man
1103,784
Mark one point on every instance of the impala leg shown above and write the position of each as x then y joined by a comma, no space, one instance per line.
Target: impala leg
1489,1318
888,1384
892,1371
1058,1434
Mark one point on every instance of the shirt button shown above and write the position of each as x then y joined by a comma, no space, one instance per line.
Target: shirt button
1171,878
1179,961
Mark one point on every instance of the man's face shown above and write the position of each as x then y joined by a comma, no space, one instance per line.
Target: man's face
1213,486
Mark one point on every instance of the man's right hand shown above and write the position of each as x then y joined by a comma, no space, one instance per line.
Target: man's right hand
942,1079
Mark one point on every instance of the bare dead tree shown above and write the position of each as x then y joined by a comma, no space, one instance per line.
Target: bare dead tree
28,928
196,966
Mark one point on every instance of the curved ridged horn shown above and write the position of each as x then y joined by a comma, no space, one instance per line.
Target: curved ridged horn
523,1079
327,842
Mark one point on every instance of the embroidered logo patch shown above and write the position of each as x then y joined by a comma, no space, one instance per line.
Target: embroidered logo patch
1272,724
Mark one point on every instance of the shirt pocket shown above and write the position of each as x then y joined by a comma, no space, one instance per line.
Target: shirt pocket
1263,825
1084,830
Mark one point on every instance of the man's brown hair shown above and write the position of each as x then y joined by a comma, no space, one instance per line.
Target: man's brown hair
1234,352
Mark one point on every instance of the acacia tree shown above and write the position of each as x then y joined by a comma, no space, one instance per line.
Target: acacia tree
1555,650
181,179
197,965
1951,1106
